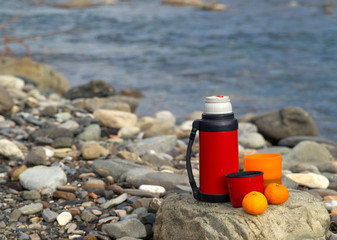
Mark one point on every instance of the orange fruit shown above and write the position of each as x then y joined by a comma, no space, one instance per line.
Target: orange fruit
254,203
276,193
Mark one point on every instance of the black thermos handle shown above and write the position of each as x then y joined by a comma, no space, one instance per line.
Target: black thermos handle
195,189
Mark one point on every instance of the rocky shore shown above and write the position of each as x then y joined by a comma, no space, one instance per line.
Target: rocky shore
85,166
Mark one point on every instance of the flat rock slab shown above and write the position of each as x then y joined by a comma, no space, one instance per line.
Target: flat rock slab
301,217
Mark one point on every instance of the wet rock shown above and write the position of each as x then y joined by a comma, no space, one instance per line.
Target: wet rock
286,122
31,208
42,177
92,150
48,215
9,149
180,212
6,102
115,119
311,180
307,152
158,144
293,141
304,168
37,156
90,133
127,228
148,218
87,216
31,195
95,88
64,218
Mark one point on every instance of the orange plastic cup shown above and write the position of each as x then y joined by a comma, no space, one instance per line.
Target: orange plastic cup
268,163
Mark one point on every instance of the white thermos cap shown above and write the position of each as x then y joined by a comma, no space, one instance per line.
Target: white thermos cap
217,105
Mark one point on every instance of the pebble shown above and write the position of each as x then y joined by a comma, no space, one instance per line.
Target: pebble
311,180
153,189
10,149
88,216
115,119
31,208
92,150
128,228
93,183
64,195
64,218
15,215
70,125
48,215
39,177
31,195
90,133
115,201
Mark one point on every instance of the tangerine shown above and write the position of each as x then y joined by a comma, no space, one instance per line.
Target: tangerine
276,193
254,203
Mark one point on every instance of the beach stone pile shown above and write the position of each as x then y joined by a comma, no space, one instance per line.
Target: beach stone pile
86,166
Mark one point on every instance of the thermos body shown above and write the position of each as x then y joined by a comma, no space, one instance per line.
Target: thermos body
218,150
218,156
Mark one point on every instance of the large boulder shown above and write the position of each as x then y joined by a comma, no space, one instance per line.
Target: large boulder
6,102
95,88
41,74
307,152
301,217
286,122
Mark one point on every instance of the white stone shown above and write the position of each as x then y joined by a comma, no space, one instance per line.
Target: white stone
9,149
166,117
115,119
2,118
311,180
329,205
64,218
39,177
246,128
153,188
8,81
49,153
128,132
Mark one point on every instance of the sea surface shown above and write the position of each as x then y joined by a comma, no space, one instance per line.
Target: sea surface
264,54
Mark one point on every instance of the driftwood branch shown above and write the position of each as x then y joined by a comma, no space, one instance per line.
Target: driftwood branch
10,21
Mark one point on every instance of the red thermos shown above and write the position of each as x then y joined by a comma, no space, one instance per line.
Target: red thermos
218,150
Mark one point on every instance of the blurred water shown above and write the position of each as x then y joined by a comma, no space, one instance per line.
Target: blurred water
263,54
